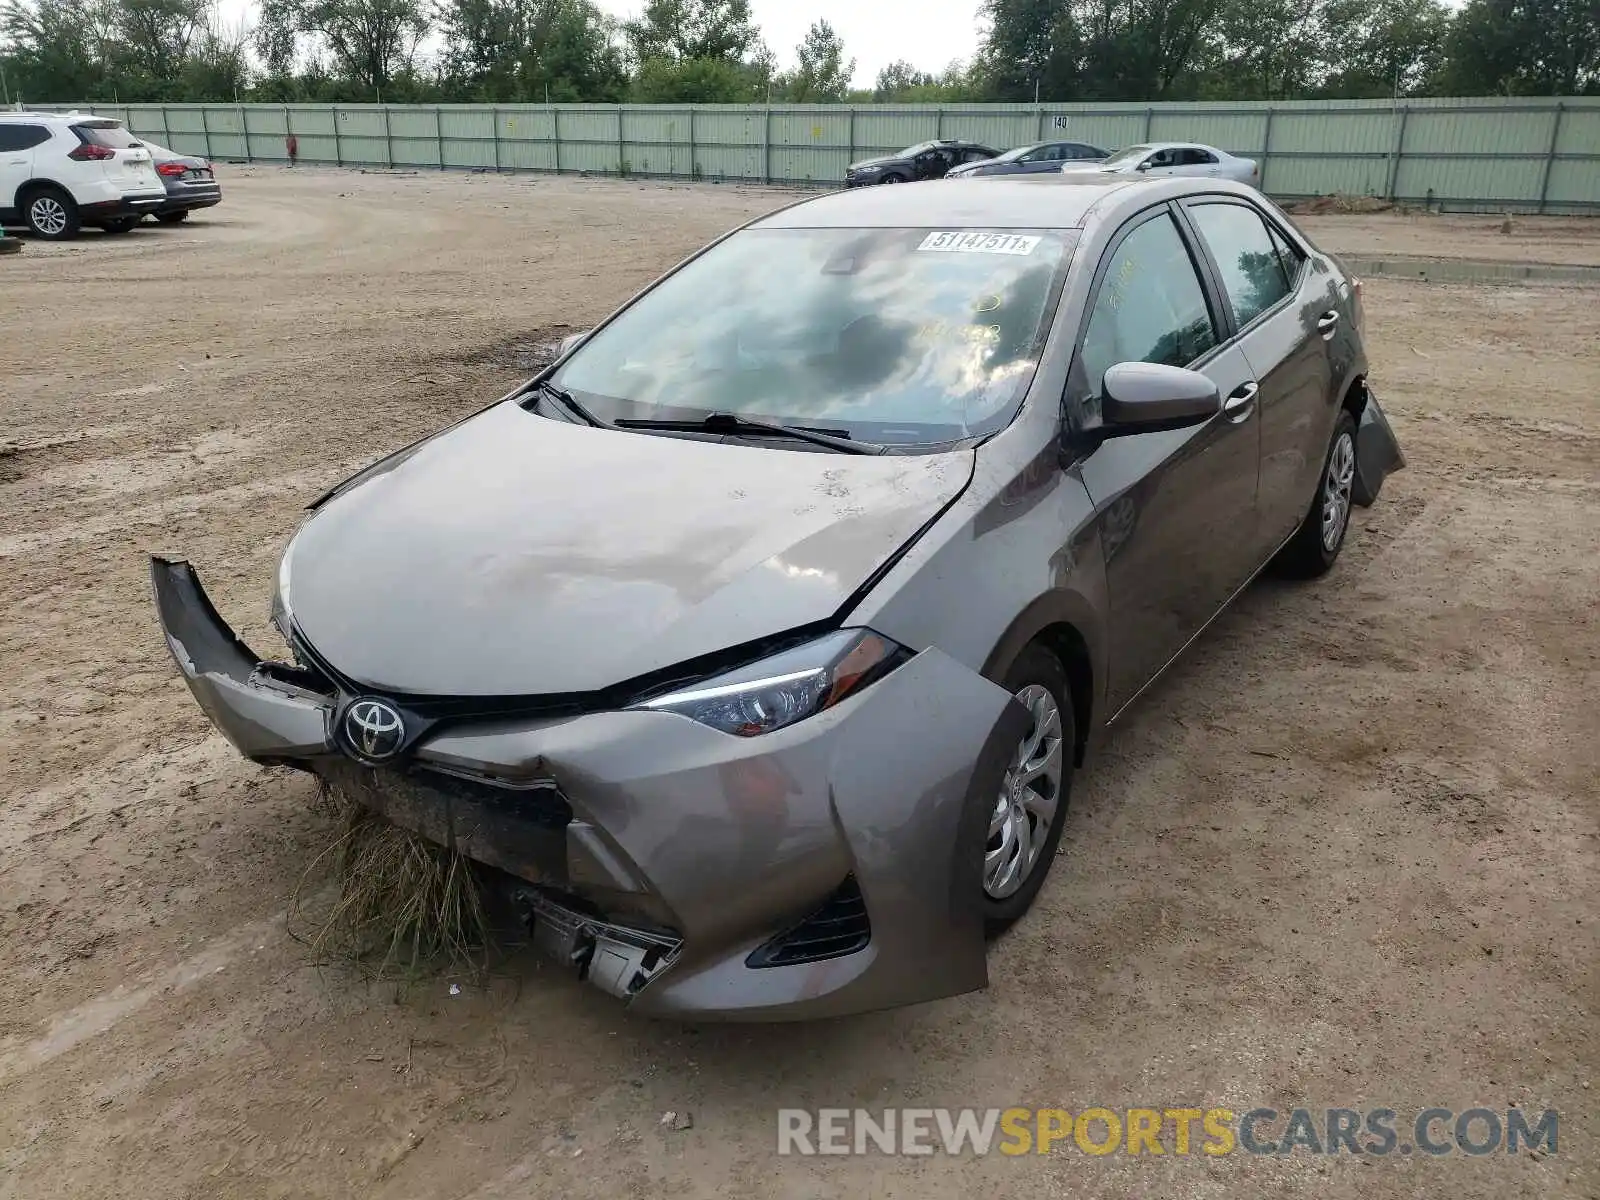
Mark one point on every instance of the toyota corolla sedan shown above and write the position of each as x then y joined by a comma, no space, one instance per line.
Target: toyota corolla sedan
753,727
1176,158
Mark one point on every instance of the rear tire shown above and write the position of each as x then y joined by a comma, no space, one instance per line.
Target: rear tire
1038,775
51,214
1316,544
172,218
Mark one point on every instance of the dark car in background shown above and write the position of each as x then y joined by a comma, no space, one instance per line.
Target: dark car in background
925,160
1038,159
191,183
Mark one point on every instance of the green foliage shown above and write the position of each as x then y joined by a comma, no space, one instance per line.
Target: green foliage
529,50
1525,47
823,75
698,81
711,52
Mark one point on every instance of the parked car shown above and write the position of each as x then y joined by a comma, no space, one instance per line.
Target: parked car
191,183
754,727
59,172
1178,158
1037,159
925,160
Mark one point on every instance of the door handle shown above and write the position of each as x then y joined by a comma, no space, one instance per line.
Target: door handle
1240,401
1327,323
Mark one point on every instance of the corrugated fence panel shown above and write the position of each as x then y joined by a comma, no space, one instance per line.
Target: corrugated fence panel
1490,153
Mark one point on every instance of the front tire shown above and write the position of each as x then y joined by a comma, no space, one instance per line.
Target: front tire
120,225
172,218
1316,544
51,214
1031,796
893,179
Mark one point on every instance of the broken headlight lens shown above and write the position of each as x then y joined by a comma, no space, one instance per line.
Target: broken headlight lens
787,687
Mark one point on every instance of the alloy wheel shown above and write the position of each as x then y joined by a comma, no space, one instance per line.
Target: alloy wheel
1029,793
1336,491
48,216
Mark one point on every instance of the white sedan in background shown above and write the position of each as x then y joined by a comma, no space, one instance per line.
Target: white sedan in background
1177,158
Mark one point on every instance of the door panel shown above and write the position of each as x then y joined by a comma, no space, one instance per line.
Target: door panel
1177,509
1277,310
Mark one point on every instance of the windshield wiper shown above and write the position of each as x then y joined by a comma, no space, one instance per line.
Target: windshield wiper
573,405
726,422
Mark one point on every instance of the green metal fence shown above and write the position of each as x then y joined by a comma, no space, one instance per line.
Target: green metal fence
1538,154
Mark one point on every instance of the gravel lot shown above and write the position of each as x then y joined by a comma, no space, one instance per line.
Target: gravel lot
1346,854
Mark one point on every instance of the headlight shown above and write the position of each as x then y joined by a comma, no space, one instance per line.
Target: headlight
787,687
282,614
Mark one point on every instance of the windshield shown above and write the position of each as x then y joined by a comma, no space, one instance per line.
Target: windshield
1013,155
913,151
1128,155
898,336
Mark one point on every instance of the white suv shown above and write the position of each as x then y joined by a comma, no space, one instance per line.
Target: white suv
60,171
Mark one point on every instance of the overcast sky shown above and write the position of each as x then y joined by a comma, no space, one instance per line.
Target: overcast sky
929,33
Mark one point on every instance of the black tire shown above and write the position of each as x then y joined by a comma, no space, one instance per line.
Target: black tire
51,214
120,224
172,218
1309,553
1035,667
892,178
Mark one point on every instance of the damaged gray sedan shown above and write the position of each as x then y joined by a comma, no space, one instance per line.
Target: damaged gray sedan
755,642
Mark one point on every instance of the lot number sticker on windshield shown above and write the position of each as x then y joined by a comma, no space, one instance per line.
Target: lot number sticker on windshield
980,243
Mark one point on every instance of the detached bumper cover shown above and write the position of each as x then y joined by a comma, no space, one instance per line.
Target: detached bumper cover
1378,453
689,849
268,719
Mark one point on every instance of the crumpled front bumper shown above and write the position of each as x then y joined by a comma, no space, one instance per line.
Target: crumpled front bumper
666,859
1378,453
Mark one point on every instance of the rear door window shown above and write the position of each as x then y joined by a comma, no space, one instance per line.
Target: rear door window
1288,254
108,134
1150,306
1252,272
22,137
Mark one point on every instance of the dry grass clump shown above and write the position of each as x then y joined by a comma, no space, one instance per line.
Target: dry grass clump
399,905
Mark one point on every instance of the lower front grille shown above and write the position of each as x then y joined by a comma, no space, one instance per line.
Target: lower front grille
838,928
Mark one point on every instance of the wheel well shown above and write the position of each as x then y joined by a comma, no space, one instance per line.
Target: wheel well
1355,399
1067,644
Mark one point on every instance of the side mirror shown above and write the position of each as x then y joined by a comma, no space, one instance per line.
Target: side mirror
1144,166
1141,397
570,343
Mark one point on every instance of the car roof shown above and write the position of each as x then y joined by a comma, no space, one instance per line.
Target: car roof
1181,146
74,117
1065,200
1054,201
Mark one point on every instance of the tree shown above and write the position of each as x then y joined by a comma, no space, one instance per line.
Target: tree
1384,47
1525,47
689,29
156,36
372,42
526,50
822,75
60,49
698,81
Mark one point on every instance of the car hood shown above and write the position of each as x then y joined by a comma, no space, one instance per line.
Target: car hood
517,555
888,160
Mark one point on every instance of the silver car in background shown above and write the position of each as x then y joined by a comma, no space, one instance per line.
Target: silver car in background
1177,158
756,641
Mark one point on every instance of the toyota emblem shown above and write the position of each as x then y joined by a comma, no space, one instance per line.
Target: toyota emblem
375,730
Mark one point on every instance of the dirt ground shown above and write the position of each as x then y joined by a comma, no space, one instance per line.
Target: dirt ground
1345,855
